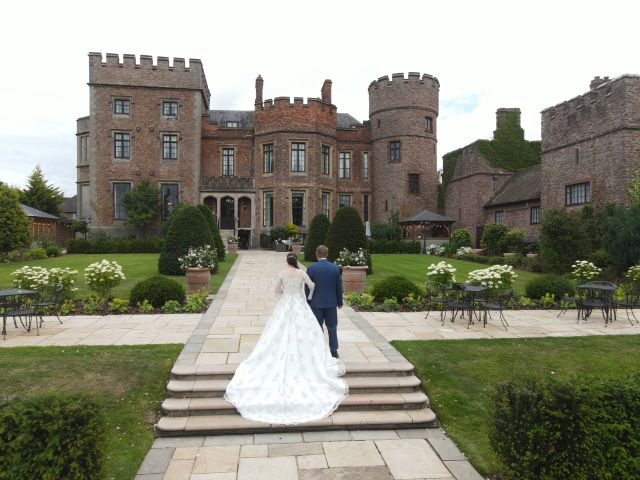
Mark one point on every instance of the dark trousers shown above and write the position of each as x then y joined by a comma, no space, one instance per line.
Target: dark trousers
329,316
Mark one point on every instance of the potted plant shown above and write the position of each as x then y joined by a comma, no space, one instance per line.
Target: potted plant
354,269
198,263
296,243
232,244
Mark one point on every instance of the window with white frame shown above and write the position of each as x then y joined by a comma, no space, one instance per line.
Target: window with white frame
122,106
297,156
499,217
365,165
344,167
170,108
267,209
326,160
228,160
169,199
122,145
326,197
578,194
170,146
232,124
297,208
267,158
119,190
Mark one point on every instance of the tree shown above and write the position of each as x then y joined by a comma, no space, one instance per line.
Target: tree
493,238
620,234
563,240
187,228
142,205
39,194
346,231
317,236
14,224
633,189
212,221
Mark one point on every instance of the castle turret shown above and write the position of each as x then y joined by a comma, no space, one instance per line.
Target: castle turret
403,113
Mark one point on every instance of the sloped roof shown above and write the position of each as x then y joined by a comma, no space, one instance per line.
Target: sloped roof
346,120
522,186
35,213
69,204
245,118
426,216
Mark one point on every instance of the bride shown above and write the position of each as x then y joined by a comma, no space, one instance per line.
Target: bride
290,376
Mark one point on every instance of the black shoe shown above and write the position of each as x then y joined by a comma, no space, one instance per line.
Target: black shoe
335,355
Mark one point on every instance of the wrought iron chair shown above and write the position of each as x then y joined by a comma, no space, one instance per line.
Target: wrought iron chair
460,302
498,304
596,295
566,299
49,296
631,301
22,307
437,297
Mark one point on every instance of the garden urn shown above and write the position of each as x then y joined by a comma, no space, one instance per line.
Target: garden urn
197,279
296,248
353,278
232,248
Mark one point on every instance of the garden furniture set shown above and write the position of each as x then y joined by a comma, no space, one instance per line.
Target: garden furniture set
599,295
28,306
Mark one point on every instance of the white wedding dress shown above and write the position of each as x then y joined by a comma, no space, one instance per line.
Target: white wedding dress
290,376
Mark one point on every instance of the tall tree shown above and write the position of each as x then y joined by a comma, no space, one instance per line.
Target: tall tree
142,205
14,224
40,194
633,189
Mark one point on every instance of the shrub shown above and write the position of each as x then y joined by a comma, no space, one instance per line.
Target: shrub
145,306
36,253
461,238
317,235
92,305
157,290
102,277
394,246
346,231
279,232
119,305
53,251
600,258
495,277
31,278
200,257
52,437
171,306
513,241
14,224
67,307
584,271
443,273
562,240
390,305
187,228
558,286
385,231
413,302
575,429
364,301
212,221
115,245
195,303
620,232
493,238
394,286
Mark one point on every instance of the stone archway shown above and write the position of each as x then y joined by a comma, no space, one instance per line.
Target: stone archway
212,203
244,212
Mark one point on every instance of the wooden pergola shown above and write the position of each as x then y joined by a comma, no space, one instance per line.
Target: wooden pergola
426,225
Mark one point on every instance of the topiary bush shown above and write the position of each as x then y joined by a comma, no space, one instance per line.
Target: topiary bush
394,286
212,221
513,241
346,231
156,290
558,286
563,240
493,239
460,238
187,228
52,436
317,235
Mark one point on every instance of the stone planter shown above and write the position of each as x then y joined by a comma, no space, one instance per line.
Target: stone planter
197,279
509,254
232,248
353,279
296,248
532,255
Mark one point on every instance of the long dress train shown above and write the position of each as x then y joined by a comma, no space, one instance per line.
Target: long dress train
290,376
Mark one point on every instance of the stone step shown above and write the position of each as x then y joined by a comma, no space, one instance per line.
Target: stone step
235,424
179,407
226,371
216,388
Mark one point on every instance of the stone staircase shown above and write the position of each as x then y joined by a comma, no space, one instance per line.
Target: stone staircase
381,396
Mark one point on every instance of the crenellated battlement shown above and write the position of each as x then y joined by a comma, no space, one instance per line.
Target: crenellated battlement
165,72
285,102
399,79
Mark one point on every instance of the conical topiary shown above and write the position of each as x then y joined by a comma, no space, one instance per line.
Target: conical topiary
346,231
187,228
317,236
212,221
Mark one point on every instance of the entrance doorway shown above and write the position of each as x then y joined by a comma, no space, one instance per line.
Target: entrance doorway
227,217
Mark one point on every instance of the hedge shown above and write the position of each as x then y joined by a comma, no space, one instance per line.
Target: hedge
393,246
115,245
587,429
51,437
394,287
157,290
554,284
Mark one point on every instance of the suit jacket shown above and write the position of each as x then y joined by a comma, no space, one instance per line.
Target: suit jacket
328,280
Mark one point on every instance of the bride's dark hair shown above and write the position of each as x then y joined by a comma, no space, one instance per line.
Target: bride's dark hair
292,259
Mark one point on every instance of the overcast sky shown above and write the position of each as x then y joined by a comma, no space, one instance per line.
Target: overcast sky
487,54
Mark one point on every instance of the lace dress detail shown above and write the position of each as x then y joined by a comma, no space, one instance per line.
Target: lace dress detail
290,376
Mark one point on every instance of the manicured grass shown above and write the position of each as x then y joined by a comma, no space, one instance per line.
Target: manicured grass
128,380
414,267
136,267
460,377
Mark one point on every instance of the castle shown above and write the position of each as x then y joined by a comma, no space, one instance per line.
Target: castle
281,162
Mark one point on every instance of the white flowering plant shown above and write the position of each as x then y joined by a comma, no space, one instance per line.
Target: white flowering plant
433,249
32,278
443,273
633,275
584,271
199,257
495,278
102,277
347,258
462,251
233,240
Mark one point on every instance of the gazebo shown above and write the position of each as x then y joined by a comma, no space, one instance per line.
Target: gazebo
426,225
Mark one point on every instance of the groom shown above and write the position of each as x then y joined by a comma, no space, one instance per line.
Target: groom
327,296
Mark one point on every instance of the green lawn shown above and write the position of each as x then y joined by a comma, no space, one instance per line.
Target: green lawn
460,377
129,380
414,267
136,267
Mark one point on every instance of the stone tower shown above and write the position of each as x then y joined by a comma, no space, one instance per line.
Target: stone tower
403,113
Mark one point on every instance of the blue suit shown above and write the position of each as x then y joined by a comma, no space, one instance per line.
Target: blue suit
327,296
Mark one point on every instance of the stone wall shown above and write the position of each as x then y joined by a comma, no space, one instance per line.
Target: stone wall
517,216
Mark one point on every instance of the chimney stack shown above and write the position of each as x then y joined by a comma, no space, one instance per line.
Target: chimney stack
597,81
259,85
326,91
